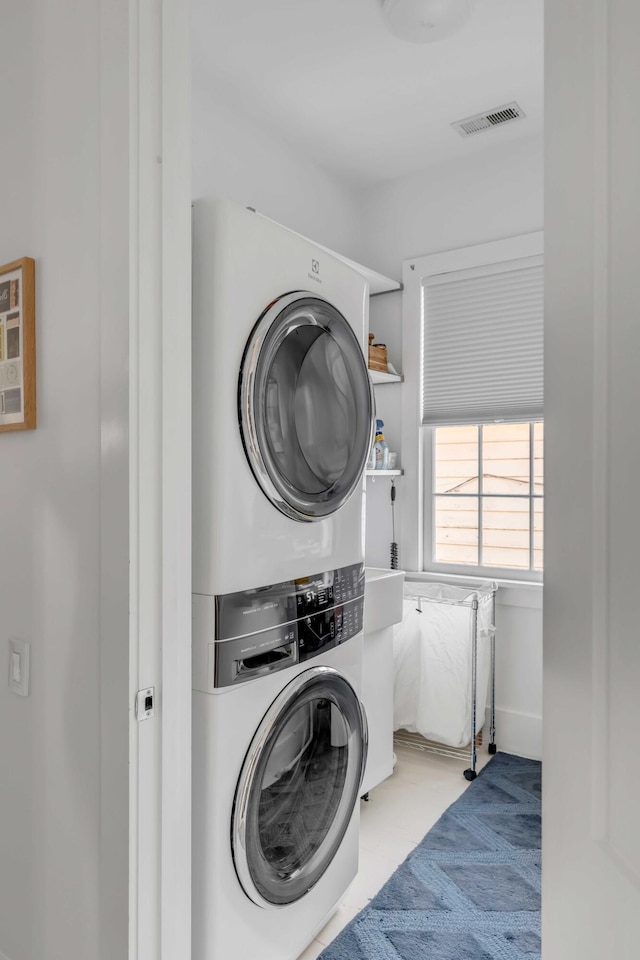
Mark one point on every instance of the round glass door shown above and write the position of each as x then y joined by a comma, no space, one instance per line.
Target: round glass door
306,406
298,787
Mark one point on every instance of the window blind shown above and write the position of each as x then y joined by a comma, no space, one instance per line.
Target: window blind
483,344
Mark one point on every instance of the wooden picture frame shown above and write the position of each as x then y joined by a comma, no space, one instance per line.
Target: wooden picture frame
18,345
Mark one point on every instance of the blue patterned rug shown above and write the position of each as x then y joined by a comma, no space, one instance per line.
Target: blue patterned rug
471,889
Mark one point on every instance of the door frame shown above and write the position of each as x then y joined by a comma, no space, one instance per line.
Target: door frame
160,478
590,875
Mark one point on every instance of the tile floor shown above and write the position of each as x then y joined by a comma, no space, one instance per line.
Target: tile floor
394,820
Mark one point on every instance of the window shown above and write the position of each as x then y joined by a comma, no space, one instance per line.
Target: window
487,493
477,314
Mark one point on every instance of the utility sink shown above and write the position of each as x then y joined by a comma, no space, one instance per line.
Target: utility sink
382,598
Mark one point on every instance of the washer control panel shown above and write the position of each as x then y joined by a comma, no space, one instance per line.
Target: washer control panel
270,628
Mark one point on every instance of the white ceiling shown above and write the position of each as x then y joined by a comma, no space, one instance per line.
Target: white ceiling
328,77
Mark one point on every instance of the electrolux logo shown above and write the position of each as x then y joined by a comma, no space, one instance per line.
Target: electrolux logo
315,271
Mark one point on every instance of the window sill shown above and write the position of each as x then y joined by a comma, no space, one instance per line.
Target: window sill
511,593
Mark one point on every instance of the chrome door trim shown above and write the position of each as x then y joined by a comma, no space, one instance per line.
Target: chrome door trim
247,775
246,407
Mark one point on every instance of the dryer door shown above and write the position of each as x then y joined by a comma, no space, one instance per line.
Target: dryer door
298,787
306,406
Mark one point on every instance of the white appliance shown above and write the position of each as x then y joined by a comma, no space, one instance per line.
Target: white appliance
283,405
279,753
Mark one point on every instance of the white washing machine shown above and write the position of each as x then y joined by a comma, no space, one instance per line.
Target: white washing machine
283,405
279,753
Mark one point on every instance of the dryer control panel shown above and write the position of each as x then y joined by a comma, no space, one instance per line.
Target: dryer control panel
270,628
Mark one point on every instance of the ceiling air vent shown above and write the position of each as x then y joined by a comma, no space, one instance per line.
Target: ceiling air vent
492,118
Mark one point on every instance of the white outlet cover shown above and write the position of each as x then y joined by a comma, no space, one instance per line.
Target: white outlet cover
18,672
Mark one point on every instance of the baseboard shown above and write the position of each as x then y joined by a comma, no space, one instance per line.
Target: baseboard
519,733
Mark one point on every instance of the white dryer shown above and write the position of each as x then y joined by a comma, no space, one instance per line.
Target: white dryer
279,753
283,405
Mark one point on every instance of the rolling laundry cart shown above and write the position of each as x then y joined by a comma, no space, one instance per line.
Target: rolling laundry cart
444,666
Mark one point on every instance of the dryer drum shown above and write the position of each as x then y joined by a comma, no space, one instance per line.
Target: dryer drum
298,787
305,406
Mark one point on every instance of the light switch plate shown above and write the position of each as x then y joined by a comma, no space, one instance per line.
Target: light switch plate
19,651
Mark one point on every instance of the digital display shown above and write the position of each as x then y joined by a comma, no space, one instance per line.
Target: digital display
314,594
313,597
325,630
252,611
316,633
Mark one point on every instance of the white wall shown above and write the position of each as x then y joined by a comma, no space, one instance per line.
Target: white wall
495,194
63,587
240,159
16,717
519,670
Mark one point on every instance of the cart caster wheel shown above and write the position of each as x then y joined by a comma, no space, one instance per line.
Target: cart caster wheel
492,748
365,797
470,774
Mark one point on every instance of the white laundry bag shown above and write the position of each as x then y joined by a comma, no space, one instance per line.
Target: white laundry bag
433,661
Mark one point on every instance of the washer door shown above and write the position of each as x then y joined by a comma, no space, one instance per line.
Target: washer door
306,406
298,787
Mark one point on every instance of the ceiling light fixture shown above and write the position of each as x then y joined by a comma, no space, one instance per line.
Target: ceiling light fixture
423,21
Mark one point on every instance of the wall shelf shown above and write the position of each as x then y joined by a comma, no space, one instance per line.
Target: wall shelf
384,473
378,377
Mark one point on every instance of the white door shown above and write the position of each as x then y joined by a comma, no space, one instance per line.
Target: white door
591,828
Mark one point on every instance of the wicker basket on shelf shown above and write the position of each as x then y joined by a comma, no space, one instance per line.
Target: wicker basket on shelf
377,355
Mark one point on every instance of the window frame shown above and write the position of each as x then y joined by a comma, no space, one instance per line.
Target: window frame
430,564
411,527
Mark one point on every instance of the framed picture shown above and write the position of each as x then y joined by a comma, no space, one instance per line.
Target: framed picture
18,345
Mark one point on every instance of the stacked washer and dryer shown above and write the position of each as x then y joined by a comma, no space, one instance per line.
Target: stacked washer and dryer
283,415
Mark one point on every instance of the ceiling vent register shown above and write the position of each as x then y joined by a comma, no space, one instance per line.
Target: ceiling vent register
489,119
